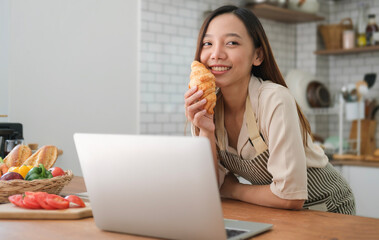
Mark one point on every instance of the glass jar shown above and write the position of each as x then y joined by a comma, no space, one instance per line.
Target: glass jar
361,25
371,29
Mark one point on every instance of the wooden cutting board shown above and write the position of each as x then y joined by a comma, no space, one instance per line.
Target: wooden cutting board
10,211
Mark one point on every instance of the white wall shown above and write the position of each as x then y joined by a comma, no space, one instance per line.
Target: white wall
73,68
4,57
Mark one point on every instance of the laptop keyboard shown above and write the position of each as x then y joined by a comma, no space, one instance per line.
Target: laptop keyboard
232,232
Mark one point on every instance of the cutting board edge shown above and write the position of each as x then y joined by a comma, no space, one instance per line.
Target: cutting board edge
20,213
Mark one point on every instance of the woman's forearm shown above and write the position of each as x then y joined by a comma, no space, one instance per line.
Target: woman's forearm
262,195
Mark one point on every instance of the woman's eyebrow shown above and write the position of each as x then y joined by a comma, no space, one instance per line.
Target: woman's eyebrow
233,35
227,35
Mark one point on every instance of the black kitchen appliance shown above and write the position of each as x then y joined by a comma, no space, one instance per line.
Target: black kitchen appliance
9,131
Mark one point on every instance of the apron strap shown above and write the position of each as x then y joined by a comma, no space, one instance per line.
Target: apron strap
220,129
252,128
254,135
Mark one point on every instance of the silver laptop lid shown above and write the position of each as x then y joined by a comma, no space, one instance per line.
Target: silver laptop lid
161,186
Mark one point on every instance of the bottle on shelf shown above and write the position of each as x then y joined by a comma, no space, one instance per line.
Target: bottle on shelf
361,25
372,30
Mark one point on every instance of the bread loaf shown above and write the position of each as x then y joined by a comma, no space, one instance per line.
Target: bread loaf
47,155
17,156
206,81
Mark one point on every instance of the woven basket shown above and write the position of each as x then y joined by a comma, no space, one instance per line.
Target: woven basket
52,185
332,33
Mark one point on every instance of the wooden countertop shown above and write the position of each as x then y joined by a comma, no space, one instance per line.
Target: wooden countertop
359,163
304,224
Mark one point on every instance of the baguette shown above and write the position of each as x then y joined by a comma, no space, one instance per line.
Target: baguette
17,156
206,81
47,155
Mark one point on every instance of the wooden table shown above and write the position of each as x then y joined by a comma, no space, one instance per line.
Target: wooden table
304,224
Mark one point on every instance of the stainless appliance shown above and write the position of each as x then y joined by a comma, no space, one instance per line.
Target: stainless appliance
9,131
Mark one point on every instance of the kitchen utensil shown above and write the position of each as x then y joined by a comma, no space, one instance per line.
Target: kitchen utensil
370,78
9,211
362,89
370,108
353,97
318,95
374,112
345,93
354,110
368,143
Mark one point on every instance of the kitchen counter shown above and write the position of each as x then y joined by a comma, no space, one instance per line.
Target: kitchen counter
360,163
304,224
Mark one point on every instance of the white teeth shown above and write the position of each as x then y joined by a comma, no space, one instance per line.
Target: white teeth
220,68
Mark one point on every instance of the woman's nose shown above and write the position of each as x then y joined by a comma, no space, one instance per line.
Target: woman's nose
218,52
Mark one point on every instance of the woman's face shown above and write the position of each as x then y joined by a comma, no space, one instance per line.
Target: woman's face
228,50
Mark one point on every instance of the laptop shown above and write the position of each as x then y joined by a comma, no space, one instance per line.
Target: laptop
157,186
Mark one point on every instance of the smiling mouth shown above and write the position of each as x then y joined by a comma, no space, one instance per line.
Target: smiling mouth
220,69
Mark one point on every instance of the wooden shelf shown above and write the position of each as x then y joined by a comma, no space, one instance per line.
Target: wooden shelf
347,51
280,14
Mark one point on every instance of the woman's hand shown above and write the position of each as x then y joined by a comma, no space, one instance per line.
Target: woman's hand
195,111
228,187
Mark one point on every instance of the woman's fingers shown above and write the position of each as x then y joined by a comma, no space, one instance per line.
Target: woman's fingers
191,110
192,102
190,91
192,97
198,116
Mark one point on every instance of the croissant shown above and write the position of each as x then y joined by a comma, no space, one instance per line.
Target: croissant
206,81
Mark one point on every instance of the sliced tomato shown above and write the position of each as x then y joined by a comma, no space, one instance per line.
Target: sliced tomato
41,199
30,201
57,202
75,201
17,200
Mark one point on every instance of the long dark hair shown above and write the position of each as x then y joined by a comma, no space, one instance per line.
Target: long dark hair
268,69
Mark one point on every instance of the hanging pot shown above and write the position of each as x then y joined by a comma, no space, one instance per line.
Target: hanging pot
318,95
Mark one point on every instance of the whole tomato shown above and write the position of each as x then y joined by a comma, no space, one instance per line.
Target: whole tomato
56,171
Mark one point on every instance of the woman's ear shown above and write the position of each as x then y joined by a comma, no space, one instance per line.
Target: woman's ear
258,57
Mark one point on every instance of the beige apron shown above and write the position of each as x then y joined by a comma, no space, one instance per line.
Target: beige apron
322,195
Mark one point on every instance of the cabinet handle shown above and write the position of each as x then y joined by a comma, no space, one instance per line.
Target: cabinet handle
4,116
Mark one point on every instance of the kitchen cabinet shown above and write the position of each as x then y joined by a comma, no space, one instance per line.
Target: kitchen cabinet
363,181
347,51
281,14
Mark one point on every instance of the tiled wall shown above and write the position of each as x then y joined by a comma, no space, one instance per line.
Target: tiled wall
345,69
169,33
348,69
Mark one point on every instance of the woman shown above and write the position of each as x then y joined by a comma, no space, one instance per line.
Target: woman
258,131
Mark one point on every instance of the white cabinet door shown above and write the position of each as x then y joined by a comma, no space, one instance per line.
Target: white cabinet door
364,182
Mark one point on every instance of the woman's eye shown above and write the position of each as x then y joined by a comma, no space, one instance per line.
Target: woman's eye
232,43
207,44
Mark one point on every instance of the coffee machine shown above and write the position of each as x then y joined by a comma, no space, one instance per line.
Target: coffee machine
9,131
